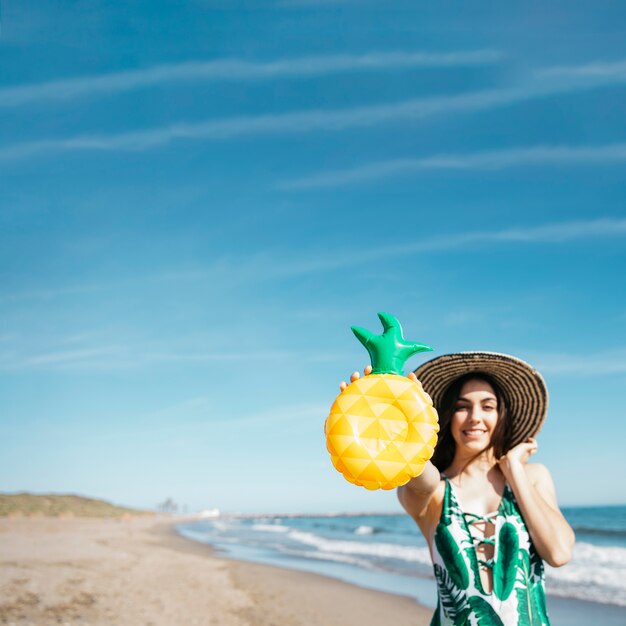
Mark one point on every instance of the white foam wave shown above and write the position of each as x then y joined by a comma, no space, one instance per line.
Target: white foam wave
596,573
221,526
364,530
328,556
382,550
270,528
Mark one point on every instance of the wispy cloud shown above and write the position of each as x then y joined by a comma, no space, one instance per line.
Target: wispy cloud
197,417
588,364
484,160
547,233
270,124
118,357
50,293
615,70
301,122
236,70
276,266
316,3
70,357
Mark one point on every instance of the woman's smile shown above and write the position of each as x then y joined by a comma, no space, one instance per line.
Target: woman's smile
474,433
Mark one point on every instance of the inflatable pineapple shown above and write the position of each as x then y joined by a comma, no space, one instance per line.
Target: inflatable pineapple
383,427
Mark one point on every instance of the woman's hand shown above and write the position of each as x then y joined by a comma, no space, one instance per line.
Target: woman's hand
366,372
518,455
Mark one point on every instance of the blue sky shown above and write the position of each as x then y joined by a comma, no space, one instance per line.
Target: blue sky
199,199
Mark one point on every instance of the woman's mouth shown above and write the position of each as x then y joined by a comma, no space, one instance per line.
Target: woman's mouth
474,432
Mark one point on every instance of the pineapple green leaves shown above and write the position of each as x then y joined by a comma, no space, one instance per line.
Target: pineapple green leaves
389,351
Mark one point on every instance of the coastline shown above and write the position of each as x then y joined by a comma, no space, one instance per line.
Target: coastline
106,572
239,545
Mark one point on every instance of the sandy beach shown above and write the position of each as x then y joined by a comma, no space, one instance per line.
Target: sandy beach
138,571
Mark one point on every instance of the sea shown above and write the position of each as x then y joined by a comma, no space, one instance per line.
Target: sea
387,552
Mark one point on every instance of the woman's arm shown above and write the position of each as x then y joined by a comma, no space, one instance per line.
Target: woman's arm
534,491
416,495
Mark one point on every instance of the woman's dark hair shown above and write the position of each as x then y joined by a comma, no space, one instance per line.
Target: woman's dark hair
446,446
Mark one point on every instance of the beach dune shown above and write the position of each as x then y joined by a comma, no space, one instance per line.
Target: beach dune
139,571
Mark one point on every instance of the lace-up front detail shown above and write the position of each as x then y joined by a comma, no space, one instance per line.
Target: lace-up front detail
472,521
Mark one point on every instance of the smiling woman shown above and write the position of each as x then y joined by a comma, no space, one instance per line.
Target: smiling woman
489,517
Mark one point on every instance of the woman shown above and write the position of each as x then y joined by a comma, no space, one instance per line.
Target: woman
490,518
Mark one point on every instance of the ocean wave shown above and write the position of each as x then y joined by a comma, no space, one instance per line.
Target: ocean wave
590,594
600,532
328,556
595,573
381,550
270,528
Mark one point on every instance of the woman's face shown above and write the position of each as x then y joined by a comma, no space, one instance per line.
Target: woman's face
475,415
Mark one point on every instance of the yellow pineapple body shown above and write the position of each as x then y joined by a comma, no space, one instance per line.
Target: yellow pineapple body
381,431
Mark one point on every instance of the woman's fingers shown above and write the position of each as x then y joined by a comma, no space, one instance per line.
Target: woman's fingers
343,384
354,377
412,376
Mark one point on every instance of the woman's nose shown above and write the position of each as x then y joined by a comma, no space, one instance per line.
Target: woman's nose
473,415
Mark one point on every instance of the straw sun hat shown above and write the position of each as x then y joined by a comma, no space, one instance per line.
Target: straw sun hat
522,385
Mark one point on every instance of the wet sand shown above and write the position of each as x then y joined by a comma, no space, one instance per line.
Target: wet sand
139,571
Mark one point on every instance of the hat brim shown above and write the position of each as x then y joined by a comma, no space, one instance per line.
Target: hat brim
522,386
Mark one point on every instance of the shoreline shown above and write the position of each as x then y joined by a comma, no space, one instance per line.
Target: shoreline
311,591
142,571
562,609
107,572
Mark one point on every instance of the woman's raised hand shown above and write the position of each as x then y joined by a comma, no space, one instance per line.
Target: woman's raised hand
520,453
366,372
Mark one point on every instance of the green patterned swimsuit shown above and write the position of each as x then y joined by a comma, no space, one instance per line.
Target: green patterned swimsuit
518,597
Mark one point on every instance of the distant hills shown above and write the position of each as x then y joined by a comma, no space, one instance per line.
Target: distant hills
49,505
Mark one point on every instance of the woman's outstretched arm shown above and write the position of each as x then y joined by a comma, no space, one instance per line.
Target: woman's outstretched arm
534,491
416,495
